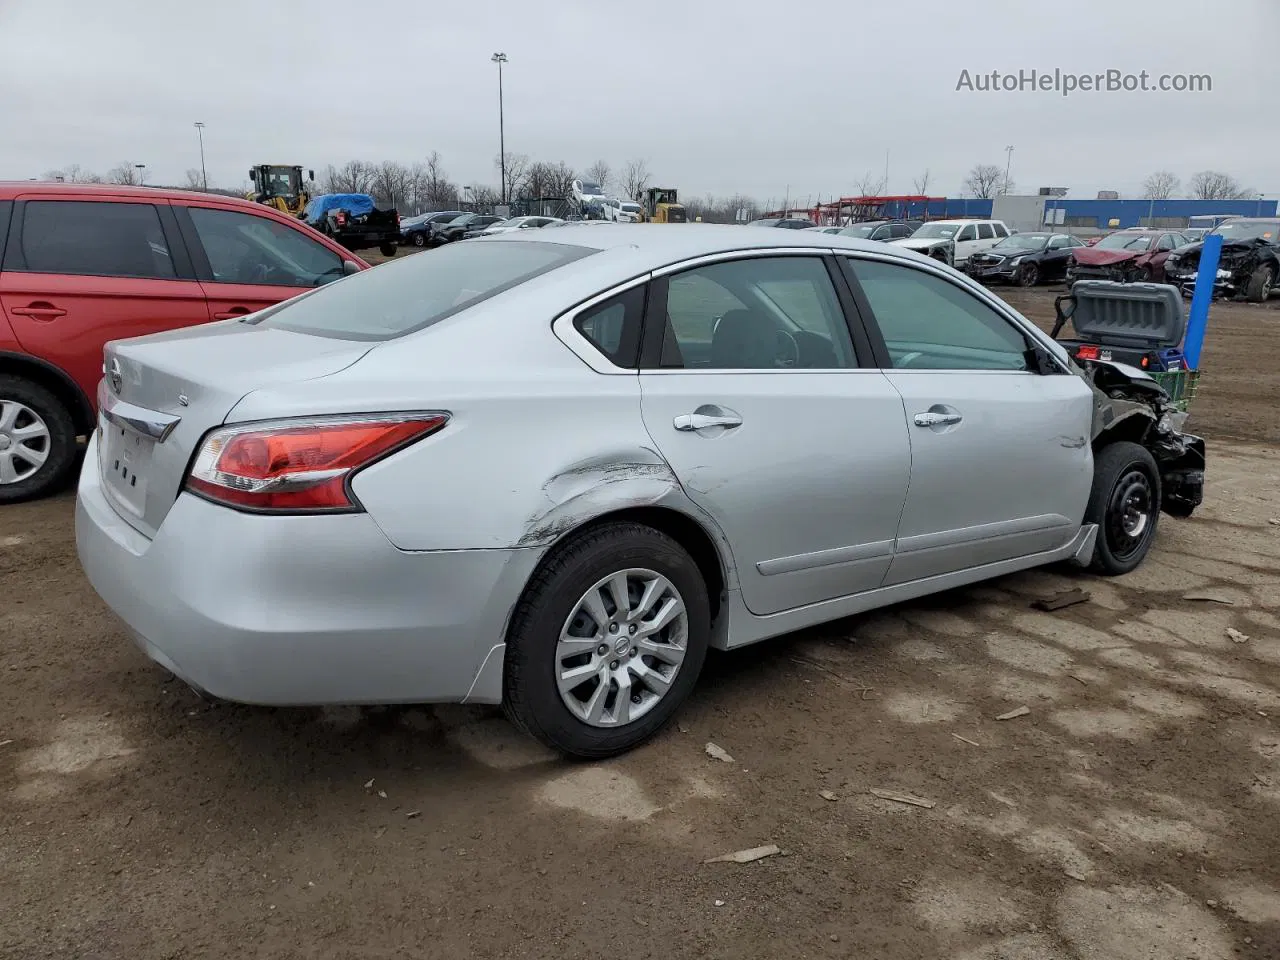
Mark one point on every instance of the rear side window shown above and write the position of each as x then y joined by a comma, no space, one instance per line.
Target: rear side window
6,208
95,238
1000,229
985,232
613,327
402,296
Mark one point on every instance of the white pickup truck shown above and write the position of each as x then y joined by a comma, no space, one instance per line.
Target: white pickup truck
954,241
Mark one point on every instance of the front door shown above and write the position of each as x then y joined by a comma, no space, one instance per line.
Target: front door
248,262
1001,464
752,392
78,273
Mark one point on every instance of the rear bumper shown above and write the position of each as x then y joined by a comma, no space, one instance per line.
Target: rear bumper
301,610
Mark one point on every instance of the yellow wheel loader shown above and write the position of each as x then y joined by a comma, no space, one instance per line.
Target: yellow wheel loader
281,187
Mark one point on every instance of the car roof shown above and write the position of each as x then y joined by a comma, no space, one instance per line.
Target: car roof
13,188
648,246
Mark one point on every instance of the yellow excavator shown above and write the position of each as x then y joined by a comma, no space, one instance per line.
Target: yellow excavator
281,187
661,205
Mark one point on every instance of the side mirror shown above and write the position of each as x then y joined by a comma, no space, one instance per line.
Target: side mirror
349,267
311,175
252,173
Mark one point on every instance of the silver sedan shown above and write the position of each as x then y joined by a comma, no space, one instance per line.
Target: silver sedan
552,469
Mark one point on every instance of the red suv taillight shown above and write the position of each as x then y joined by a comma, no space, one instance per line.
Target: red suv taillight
299,466
1087,353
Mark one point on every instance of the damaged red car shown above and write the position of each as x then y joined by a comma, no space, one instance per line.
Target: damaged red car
1129,256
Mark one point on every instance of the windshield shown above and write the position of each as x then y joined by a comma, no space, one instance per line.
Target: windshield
591,188
631,207
1125,241
936,231
465,218
1023,241
763,223
1249,230
406,295
859,230
280,181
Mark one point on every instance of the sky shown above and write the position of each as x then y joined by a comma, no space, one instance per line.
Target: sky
802,99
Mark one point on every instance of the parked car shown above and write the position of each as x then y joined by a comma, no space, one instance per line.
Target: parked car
1025,258
519,223
84,264
828,229
459,227
1127,255
370,494
355,221
620,211
419,231
786,223
1248,266
955,241
882,230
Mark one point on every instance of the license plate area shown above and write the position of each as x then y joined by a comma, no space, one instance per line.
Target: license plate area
124,459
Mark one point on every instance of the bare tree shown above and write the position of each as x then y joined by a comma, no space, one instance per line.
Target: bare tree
125,173
485,197
599,172
984,181
1160,185
74,173
635,178
921,183
195,179
869,185
434,189
354,176
1214,185
393,184
517,169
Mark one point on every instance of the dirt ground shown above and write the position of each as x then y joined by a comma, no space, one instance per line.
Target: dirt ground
1130,815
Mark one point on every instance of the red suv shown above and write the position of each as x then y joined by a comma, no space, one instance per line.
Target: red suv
84,264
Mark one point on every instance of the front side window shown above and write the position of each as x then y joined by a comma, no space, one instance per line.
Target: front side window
929,323
95,238
966,234
766,313
243,248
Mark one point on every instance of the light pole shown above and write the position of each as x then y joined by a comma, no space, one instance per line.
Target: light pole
204,177
500,59
1008,160
142,173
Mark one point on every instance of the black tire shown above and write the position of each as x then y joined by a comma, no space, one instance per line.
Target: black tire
1029,275
1142,275
1126,486
1260,284
419,239
387,249
531,697
61,444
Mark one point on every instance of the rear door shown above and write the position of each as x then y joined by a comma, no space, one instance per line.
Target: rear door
80,272
1057,256
966,243
246,262
752,390
1001,465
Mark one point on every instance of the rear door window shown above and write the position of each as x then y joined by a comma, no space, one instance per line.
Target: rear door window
1000,229
613,327
985,232
98,238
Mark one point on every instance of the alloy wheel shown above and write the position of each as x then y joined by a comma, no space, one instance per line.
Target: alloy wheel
621,647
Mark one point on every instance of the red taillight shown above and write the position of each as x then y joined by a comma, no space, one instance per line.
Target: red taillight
341,218
299,465
1145,362
1087,353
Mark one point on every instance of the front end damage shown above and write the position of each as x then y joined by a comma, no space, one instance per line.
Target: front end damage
1238,264
1130,405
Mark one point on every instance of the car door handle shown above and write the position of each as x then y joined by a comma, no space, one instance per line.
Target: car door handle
39,310
931,418
233,312
690,422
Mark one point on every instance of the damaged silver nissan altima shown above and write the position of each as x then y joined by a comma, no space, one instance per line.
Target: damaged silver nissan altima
552,471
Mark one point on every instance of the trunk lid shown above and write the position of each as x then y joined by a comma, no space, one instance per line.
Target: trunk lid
162,393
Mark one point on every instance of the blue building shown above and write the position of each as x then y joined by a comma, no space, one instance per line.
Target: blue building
1089,214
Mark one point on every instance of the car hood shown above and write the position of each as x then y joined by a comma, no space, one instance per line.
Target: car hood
1102,258
921,243
1234,246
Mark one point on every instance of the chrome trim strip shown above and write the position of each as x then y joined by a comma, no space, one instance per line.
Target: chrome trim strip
149,423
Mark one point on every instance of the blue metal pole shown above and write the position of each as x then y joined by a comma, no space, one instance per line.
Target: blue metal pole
1198,319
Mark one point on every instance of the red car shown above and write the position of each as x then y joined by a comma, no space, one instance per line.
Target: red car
1126,255
84,264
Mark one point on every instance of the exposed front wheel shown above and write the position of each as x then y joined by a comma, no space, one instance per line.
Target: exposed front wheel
607,641
1125,504
1029,276
387,249
419,239
37,440
1260,283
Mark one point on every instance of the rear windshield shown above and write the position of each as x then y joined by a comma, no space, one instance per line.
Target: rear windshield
402,296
